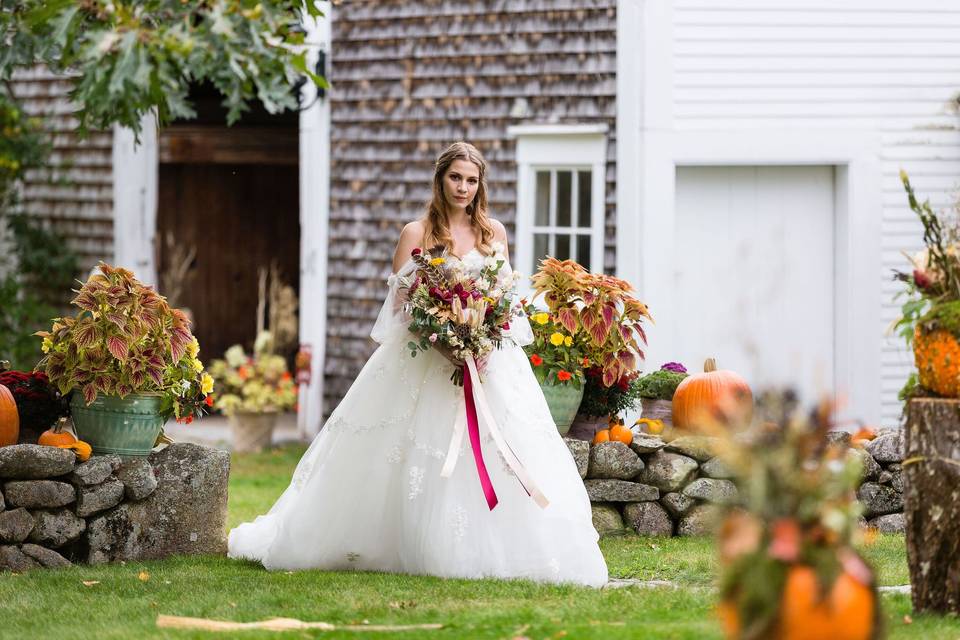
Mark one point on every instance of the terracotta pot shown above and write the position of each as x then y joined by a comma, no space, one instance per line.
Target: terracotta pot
657,410
252,432
584,427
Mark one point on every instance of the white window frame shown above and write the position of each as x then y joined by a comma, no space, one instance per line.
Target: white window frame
558,147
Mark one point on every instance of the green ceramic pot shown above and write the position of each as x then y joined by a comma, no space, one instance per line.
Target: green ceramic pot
563,400
110,424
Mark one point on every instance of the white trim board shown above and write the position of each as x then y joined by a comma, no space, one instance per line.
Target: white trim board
314,228
855,156
136,172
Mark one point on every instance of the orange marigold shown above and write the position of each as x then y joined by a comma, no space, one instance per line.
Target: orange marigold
536,360
563,376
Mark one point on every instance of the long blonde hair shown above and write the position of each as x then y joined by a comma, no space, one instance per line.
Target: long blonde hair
435,218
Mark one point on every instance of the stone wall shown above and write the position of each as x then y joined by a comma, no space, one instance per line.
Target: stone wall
55,511
659,488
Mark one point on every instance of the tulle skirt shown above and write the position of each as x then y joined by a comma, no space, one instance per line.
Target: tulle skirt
368,495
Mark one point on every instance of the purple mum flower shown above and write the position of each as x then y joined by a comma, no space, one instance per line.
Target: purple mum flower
676,367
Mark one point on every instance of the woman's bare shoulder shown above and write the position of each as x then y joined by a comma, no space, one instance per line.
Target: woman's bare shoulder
413,231
499,231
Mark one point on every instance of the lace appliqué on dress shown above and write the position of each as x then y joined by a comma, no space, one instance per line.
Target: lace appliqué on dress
416,482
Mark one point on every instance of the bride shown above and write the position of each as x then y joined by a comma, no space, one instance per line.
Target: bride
368,493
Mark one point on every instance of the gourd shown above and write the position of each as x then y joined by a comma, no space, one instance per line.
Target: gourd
601,436
711,395
9,418
80,448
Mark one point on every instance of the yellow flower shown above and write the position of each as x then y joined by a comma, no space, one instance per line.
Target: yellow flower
47,345
541,318
437,261
206,383
567,341
197,365
193,348
556,339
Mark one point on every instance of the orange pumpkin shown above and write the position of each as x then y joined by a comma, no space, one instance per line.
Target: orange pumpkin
847,612
9,418
620,433
601,436
711,395
56,437
79,447
937,356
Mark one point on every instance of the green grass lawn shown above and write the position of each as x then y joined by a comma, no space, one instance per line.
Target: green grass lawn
56,604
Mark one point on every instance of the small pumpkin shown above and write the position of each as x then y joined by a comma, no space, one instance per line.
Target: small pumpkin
601,436
846,612
936,352
620,433
79,447
710,395
57,436
9,418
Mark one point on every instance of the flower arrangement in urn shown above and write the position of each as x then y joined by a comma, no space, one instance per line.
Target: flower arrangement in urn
788,564
930,312
605,324
131,361
251,390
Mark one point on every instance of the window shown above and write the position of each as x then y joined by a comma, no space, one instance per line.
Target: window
562,225
560,194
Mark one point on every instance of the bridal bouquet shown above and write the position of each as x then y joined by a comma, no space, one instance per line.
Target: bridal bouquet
449,306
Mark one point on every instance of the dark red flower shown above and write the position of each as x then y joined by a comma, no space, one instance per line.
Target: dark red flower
417,251
921,279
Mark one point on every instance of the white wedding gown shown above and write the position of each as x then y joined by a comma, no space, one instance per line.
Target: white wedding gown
368,495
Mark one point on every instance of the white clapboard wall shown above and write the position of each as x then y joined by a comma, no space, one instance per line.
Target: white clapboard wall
882,65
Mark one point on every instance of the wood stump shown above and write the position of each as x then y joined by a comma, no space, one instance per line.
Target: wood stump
931,497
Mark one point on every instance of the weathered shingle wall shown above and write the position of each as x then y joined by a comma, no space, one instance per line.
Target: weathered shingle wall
409,78
74,192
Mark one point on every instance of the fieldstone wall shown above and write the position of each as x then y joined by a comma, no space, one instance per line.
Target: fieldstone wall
55,511
659,488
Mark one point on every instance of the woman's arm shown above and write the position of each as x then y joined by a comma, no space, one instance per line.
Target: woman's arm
410,239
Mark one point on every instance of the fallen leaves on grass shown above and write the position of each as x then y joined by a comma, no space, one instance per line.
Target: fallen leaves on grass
89,583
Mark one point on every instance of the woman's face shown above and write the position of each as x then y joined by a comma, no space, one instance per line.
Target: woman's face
460,183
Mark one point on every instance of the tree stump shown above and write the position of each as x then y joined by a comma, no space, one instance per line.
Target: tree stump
931,496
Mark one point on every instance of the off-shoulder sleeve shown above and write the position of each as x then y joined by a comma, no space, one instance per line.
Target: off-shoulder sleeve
392,322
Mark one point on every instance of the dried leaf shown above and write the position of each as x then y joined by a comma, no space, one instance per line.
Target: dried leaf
89,583
143,576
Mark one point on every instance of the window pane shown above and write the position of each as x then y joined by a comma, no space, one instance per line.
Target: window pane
583,251
584,184
542,205
539,250
564,188
563,248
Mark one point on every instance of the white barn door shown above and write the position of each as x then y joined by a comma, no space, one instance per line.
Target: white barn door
755,279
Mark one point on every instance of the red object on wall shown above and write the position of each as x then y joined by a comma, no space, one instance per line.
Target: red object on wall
302,363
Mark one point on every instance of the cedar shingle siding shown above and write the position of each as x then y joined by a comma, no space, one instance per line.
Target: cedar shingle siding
409,78
74,192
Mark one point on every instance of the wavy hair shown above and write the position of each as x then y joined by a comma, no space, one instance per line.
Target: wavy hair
436,217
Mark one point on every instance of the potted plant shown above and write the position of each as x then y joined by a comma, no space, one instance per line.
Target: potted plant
557,364
252,390
130,362
930,313
38,404
656,391
788,566
606,325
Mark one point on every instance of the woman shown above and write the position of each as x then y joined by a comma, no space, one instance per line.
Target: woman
368,493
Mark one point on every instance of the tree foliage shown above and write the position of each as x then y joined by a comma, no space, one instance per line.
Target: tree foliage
127,58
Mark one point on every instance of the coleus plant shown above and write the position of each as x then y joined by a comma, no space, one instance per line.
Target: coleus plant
598,311
126,339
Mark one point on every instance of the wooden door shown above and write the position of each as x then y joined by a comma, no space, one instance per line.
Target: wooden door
240,217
